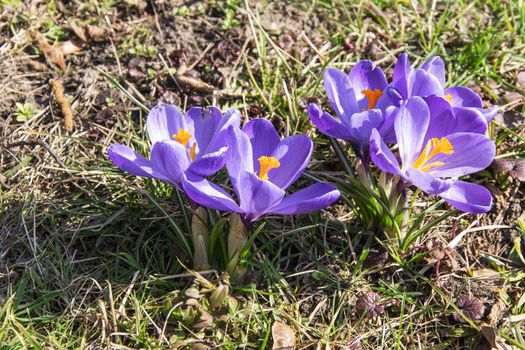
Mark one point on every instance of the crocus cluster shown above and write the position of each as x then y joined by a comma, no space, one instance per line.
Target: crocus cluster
188,148
439,132
413,128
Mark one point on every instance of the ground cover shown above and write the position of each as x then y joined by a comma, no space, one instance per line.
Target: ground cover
93,258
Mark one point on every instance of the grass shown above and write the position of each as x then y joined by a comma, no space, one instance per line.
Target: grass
92,258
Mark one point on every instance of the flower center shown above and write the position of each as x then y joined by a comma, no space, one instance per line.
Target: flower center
433,147
372,96
449,98
267,164
183,137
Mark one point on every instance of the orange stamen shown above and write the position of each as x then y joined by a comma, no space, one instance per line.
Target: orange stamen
193,151
182,137
433,147
267,164
372,96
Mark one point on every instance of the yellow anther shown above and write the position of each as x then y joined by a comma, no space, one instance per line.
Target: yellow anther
372,96
267,164
449,98
433,147
192,151
182,137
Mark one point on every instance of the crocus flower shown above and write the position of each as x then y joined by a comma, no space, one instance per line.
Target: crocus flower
353,97
261,167
190,143
431,157
426,81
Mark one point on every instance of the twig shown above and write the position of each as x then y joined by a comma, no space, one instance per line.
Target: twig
201,56
63,103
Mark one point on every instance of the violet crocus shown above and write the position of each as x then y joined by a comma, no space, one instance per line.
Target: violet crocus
429,80
261,167
432,157
190,143
353,97
193,143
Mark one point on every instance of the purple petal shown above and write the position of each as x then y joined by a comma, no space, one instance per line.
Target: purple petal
257,196
239,157
210,163
171,159
308,200
263,137
470,120
340,93
362,124
130,161
327,124
427,182
232,118
467,197
163,121
446,120
489,114
421,83
382,157
207,194
472,153
294,154
411,124
463,97
386,130
391,98
436,67
400,75
442,120
364,76
205,122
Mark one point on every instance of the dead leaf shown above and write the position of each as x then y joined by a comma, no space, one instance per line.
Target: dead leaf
496,312
283,336
53,54
218,296
471,306
513,97
495,341
370,303
486,274
205,320
79,30
96,33
38,66
68,48
514,167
